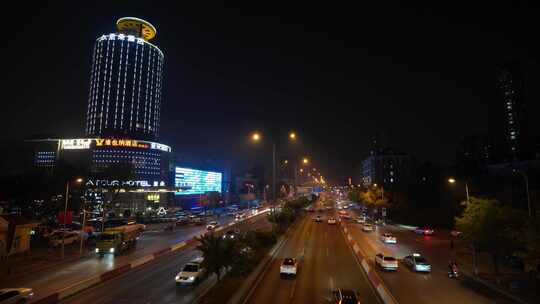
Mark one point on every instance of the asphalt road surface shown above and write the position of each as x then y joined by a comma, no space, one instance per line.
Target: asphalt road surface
154,282
408,286
325,262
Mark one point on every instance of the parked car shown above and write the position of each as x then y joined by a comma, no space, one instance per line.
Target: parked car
15,295
69,237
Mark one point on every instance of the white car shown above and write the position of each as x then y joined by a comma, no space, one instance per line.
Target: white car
191,273
70,237
386,262
332,221
387,238
15,295
360,220
289,267
318,218
212,225
367,228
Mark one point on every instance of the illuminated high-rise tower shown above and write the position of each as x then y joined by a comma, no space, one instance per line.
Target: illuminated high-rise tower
511,89
125,83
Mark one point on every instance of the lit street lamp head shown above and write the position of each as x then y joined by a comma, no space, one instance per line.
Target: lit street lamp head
292,136
79,180
256,136
305,161
451,180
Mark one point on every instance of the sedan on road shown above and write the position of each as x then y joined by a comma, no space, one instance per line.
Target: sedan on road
360,220
387,238
417,263
424,231
15,295
318,218
367,228
212,225
191,273
386,262
332,221
288,267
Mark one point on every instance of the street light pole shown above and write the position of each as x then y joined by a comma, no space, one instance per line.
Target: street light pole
65,218
82,228
274,171
526,189
467,192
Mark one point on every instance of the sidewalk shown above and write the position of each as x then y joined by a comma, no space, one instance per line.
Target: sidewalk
511,283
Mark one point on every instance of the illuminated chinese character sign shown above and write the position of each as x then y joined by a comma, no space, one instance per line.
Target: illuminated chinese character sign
192,181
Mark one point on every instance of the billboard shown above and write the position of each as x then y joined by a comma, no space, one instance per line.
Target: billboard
192,181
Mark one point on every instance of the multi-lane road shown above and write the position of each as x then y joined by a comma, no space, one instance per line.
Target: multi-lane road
325,263
154,282
408,286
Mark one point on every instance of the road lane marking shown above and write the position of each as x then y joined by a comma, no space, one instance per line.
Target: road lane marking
327,252
331,283
293,289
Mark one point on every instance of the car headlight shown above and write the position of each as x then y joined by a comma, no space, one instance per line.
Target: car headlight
177,277
192,278
97,250
111,250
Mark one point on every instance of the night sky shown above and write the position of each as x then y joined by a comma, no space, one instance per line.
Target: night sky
421,76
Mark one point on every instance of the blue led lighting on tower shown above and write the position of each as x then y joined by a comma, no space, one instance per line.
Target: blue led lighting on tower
125,83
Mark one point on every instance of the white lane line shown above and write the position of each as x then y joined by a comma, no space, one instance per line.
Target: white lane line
331,283
291,294
327,252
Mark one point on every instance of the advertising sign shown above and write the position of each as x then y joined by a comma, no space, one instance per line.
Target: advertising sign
193,181
85,143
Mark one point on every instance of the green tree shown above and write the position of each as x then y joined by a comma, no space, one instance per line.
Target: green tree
491,226
218,253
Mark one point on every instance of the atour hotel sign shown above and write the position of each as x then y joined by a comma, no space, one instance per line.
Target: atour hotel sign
86,143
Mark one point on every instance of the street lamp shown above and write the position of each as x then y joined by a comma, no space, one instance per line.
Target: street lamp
292,136
452,180
256,137
78,180
305,161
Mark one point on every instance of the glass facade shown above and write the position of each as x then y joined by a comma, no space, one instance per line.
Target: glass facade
125,88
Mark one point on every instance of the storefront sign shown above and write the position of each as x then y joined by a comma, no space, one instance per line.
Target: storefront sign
76,144
116,183
86,143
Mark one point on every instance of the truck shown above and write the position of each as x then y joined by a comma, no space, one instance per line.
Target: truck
116,240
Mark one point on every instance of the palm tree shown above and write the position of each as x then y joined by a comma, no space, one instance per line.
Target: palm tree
218,253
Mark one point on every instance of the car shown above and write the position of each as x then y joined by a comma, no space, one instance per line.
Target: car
417,262
15,295
289,267
367,227
212,225
182,221
387,238
70,237
344,296
424,231
456,234
191,273
231,234
328,207
332,221
386,262
318,218
360,220
340,208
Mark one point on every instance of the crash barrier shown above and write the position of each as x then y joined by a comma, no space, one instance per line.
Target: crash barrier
373,276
